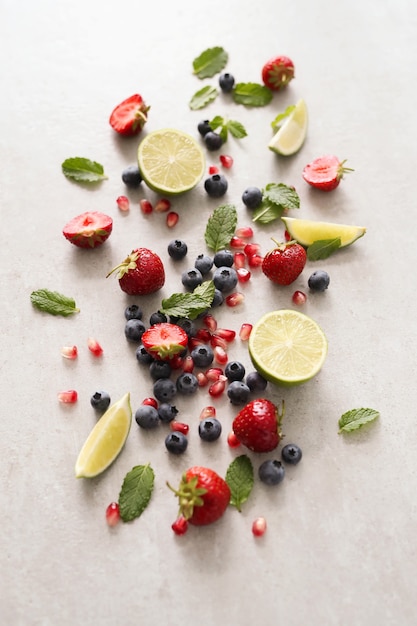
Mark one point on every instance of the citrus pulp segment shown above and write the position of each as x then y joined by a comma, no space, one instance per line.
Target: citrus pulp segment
307,232
170,161
291,135
287,347
106,440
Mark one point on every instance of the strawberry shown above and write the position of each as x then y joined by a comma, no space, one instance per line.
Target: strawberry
277,73
284,263
258,425
164,340
325,173
141,273
88,230
203,496
130,116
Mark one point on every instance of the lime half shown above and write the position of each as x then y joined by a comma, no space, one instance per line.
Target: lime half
307,232
287,347
170,161
291,135
106,440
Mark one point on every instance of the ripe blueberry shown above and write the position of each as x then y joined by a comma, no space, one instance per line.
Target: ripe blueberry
143,355
204,127
238,392
202,356
191,279
100,400
134,330
209,429
176,442
319,280
187,383
234,370
271,472
226,82
164,389
203,263
256,382
133,312
223,258
213,141
216,185
177,249
167,412
252,197
147,416
131,176
291,454
225,278
160,369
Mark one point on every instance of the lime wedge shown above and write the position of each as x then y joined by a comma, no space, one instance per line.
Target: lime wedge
106,440
307,232
170,161
287,347
291,135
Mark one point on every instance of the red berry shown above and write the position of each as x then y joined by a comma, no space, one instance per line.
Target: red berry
284,264
113,514
243,274
217,340
145,206
287,235
251,248
213,169
258,425
129,117
220,355
88,230
245,232
217,388
94,346
202,379
150,402
226,161
259,526
68,397
237,243
232,440
162,206
164,341
226,333
180,526
208,411
203,335
299,298
239,260
179,427
141,273
210,322
69,352
172,219
245,331
277,73
123,203
255,260
234,299
213,373
325,173
188,364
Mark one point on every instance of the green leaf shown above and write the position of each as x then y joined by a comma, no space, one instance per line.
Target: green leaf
322,248
236,129
220,227
239,477
276,198
53,302
203,97
217,121
136,492
252,94
267,212
83,170
210,62
189,305
356,418
276,123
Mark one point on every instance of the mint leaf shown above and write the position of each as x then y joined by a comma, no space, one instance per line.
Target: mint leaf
210,62
252,94
189,305
203,97
239,477
267,212
276,198
276,123
221,227
83,170
53,302
236,129
136,492
322,248
356,418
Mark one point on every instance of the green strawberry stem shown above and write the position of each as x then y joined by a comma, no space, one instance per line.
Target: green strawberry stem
189,496
282,245
128,264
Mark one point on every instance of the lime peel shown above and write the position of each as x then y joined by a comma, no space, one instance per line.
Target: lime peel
306,232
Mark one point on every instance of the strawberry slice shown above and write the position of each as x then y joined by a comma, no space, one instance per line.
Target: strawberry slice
130,116
326,172
88,230
164,340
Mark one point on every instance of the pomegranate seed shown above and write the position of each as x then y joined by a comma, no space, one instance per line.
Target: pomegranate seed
243,275
226,334
208,411
194,342
146,206
162,206
246,232
237,243
210,322
203,335
217,388
68,397
245,331
287,235
234,299
255,260
239,259
299,297
232,440
188,364
150,402
259,526
202,379
214,373
251,248
176,362
216,340
213,169
179,427
220,355
172,219
113,514
226,160
94,347
123,203
69,352
180,526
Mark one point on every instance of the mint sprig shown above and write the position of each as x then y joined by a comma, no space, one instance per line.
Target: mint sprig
251,94
323,248
356,419
53,302
136,492
240,478
189,305
221,227
83,170
276,198
277,122
236,129
210,62
203,97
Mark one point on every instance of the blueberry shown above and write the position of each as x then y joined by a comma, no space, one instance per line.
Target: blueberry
164,389
256,382
234,370
252,197
157,318
204,127
271,472
131,176
143,355
216,185
187,383
188,325
226,82
213,141
209,429
291,454
177,249
100,400
134,330
238,392
202,355
203,263
167,412
147,416
191,279
133,312
160,369
218,298
225,278
319,280
223,258
176,443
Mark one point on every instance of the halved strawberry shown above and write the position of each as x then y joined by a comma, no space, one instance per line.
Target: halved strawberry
164,340
130,116
88,230
326,172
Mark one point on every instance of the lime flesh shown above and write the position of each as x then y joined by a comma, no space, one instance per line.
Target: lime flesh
307,232
291,136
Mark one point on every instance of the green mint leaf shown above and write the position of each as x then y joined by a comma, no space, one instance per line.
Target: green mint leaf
282,195
221,227
356,418
217,121
267,212
136,492
239,477
252,94
210,62
322,248
83,170
53,302
189,305
276,123
236,129
203,97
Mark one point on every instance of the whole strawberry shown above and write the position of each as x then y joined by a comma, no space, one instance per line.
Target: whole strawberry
203,496
277,73
88,230
284,263
141,273
258,425
325,173
130,116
